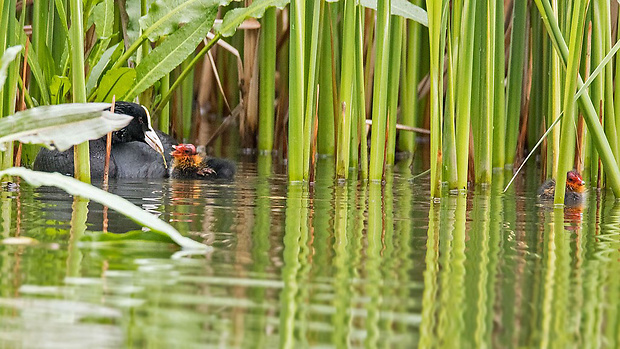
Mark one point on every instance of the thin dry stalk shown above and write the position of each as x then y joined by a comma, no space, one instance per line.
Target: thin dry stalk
108,149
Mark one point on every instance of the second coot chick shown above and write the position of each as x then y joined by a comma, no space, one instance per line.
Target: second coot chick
188,164
575,189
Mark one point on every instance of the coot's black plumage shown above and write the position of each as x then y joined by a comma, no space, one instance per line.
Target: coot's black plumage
138,131
134,152
138,160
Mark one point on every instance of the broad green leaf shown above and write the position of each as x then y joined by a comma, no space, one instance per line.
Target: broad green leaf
60,86
170,53
103,18
115,82
234,18
62,16
9,56
117,203
106,57
62,125
402,8
164,16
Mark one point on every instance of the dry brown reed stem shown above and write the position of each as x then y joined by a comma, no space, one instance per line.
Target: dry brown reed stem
249,89
108,149
22,104
402,127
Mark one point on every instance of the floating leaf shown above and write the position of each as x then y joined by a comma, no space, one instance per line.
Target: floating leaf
62,125
115,82
8,57
117,203
170,53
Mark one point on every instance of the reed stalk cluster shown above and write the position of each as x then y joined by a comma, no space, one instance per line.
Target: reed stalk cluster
484,81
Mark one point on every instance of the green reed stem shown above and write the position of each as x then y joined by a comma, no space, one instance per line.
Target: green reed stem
297,91
567,139
499,120
436,12
360,100
514,90
611,121
409,102
267,71
81,151
483,164
396,39
164,117
449,169
379,105
464,91
316,16
326,136
555,109
347,81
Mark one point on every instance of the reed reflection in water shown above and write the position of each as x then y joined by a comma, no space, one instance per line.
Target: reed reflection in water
342,264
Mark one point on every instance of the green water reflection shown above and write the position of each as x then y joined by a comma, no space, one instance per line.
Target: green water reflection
339,265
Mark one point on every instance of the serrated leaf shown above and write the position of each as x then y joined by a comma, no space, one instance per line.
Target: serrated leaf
61,125
60,86
103,17
115,202
164,16
115,82
234,18
170,53
9,56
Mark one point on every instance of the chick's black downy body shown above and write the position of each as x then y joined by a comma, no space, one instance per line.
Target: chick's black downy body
575,189
188,164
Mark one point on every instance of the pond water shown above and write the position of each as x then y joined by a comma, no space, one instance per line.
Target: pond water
330,265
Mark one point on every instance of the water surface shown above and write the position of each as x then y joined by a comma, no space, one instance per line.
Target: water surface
329,265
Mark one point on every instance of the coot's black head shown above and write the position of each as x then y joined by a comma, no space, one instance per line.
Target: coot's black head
139,129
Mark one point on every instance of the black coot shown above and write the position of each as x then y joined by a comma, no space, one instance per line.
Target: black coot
135,152
138,131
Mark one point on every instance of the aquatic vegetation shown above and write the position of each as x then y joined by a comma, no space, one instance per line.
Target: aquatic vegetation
306,80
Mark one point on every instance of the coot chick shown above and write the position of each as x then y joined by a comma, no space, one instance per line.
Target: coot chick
188,164
575,189
139,130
